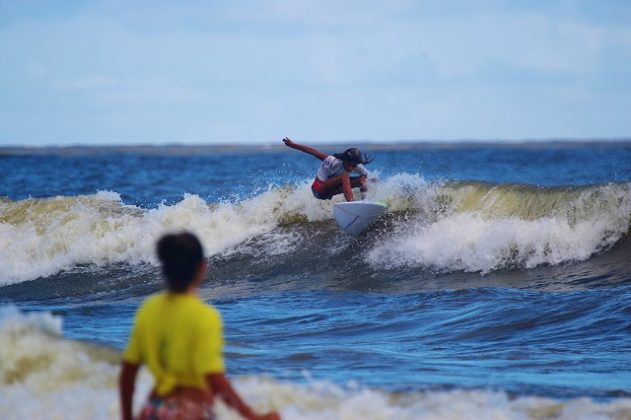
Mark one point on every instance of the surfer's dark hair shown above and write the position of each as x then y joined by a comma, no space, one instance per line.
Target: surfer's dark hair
180,255
354,155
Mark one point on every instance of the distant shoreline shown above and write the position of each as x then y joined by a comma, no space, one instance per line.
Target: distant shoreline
193,149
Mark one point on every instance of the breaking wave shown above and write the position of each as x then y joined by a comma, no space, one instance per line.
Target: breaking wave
468,226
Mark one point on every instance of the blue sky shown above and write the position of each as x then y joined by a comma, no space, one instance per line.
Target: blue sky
106,72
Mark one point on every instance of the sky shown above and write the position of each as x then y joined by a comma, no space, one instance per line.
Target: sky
156,72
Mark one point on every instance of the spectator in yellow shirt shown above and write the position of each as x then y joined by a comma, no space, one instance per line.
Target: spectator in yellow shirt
179,338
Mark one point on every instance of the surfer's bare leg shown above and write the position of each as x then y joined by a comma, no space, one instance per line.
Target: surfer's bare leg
336,185
363,189
343,184
362,183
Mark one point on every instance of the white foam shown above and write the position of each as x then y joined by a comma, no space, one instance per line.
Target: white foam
470,242
44,376
483,228
466,226
404,192
40,237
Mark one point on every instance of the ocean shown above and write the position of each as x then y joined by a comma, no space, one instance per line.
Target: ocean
496,286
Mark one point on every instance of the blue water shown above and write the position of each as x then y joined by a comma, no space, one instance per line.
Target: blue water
148,179
547,315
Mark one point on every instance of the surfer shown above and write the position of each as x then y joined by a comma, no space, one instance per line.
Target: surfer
334,175
179,338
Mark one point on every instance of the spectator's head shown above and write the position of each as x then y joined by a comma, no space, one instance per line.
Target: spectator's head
182,259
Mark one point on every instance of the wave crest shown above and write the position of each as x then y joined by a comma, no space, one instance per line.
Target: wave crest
455,226
483,227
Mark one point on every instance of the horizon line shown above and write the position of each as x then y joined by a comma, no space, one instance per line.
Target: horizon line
189,148
379,142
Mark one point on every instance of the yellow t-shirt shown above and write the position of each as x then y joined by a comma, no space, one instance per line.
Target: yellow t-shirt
180,339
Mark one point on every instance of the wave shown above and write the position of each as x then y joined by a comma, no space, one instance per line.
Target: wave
40,237
44,375
484,227
468,226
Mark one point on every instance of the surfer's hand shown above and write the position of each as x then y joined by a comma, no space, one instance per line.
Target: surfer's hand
288,142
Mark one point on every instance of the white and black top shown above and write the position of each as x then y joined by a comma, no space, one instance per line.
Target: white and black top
332,166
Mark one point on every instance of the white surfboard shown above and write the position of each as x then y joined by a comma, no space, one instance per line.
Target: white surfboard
355,216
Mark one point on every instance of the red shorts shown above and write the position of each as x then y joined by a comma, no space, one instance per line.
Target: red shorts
317,184
316,189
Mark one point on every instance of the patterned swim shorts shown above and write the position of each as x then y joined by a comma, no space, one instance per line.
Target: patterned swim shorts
157,408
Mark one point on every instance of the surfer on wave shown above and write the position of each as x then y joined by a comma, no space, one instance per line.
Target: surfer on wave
334,175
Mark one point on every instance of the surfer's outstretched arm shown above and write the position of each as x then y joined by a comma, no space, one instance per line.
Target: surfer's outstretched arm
290,143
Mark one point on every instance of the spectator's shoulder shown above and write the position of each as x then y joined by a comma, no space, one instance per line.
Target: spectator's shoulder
150,303
210,313
154,299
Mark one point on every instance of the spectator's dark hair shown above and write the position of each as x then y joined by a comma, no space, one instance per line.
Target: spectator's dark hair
180,255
